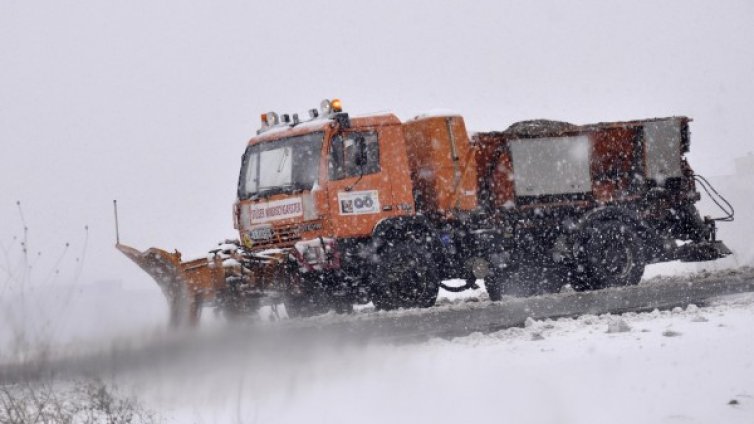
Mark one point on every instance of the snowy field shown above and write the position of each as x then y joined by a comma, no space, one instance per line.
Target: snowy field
691,364
694,365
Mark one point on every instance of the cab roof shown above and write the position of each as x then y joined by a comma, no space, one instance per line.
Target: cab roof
323,124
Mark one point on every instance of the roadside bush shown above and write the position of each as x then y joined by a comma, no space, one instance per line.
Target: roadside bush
83,402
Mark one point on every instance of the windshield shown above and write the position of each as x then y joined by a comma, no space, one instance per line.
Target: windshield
279,166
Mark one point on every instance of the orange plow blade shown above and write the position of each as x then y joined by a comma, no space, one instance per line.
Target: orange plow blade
186,285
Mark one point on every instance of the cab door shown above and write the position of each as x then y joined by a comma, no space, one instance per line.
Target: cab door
359,191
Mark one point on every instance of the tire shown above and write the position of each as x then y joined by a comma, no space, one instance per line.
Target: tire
610,255
517,281
316,296
304,306
406,277
493,283
342,305
234,303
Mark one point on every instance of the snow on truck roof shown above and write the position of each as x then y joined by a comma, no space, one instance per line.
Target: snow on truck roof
434,113
274,125
315,123
319,123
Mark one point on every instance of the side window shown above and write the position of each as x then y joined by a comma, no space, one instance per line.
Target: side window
343,161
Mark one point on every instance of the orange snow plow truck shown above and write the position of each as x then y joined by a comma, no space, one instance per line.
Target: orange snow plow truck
338,210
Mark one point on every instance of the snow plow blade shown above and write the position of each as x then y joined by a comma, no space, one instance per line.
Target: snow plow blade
186,285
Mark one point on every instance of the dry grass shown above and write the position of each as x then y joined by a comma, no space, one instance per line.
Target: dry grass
83,402
49,401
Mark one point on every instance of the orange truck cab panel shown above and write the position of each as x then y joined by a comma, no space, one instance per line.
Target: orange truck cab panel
360,196
443,164
303,182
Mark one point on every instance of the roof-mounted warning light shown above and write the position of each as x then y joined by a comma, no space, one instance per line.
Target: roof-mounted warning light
334,109
328,107
336,106
269,119
272,119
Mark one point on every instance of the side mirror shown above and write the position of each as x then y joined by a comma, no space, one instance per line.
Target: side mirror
360,158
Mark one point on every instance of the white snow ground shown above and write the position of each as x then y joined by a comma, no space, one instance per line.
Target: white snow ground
694,365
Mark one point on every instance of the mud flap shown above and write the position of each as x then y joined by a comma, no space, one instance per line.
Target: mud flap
186,285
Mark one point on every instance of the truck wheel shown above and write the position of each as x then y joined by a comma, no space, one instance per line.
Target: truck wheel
612,255
306,305
493,283
342,305
383,298
516,280
406,276
234,303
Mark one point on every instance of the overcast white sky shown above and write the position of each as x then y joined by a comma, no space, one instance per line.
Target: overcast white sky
152,102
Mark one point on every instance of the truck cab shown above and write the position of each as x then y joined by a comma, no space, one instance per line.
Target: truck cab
332,177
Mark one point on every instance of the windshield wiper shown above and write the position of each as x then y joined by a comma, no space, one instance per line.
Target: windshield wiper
267,192
287,188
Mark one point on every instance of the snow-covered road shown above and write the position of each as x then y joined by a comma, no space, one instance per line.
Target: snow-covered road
684,364
452,318
692,365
